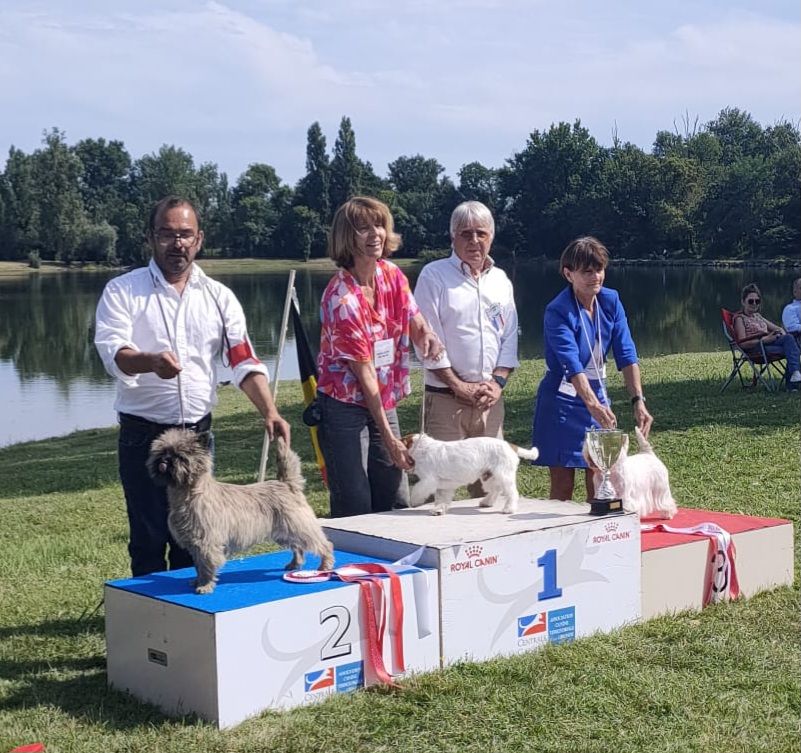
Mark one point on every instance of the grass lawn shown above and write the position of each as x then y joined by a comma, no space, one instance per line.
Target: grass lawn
727,679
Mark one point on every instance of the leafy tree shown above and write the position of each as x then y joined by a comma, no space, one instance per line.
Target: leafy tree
103,179
300,226
479,183
550,189
259,200
19,232
346,168
62,219
98,244
312,191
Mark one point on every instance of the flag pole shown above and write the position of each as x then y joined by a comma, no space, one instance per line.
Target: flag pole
265,446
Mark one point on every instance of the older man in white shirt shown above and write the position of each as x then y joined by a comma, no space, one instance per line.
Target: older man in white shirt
469,303
161,331
791,316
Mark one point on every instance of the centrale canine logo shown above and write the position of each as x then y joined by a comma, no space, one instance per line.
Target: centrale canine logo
474,558
611,533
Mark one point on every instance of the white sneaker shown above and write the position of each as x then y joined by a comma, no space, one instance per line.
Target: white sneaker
795,377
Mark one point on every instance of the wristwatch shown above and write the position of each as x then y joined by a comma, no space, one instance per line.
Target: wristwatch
637,398
499,380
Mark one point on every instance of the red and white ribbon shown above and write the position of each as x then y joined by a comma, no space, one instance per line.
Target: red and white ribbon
369,577
721,572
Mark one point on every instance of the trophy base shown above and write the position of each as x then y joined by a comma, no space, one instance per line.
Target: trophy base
606,506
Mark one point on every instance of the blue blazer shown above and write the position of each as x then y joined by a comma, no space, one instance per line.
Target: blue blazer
566,349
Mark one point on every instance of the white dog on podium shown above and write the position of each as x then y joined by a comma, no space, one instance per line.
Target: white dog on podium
442,467
640,480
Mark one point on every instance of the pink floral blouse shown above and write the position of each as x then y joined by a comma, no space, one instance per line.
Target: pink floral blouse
351,327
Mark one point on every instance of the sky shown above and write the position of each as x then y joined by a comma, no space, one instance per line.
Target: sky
239,81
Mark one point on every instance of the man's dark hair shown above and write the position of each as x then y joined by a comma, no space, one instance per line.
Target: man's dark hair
169,202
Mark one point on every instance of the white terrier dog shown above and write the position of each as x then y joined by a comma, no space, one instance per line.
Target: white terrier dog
442,467
640,480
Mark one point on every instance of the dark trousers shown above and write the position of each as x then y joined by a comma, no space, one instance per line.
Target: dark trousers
361,475
146,503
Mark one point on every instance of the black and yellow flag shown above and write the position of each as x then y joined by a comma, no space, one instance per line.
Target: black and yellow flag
307,366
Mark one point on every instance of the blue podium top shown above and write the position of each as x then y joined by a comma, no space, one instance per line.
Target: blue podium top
242,582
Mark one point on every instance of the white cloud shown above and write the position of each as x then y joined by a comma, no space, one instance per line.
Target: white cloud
235,82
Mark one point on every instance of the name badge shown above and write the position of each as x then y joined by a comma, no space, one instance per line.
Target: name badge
566,388
384,352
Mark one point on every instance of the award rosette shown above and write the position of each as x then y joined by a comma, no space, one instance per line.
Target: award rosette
604,447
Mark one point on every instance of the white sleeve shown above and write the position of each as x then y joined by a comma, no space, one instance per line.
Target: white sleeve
427,293
240,352
507,354
114,330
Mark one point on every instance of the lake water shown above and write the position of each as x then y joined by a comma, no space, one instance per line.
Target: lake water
53,382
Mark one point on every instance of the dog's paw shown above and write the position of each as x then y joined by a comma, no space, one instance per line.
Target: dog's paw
437,511
204,588
509,509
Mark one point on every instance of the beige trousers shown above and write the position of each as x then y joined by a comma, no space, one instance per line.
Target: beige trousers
447,418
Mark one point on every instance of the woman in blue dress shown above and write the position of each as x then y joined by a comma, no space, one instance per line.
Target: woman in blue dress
581,324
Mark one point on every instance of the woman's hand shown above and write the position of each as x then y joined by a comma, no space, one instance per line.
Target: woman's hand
642,418
399,454
603,415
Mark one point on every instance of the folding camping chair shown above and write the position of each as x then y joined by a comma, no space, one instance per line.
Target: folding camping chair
766,368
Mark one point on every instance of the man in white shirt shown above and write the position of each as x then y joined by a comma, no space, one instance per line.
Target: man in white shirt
791,316
161,331
469,303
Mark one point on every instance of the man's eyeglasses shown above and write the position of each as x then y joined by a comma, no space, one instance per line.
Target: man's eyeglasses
753,301
167,237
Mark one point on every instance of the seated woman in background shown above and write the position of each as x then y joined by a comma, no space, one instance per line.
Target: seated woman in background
751,329
582,324
368,316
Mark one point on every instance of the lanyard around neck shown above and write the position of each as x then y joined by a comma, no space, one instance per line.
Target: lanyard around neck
596,365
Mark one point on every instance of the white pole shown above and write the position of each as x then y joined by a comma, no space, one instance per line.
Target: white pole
265,447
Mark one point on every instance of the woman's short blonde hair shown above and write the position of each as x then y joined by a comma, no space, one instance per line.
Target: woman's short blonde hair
354,213
586,252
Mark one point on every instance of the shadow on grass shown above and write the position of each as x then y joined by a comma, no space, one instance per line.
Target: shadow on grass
74,684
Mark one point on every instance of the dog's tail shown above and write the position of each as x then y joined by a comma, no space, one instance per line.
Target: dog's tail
521,452
288,465
642,442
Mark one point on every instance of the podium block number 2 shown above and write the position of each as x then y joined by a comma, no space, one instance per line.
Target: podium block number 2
333,647
548,564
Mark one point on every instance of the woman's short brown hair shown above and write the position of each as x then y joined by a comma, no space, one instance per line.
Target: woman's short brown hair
750,288
356,212
586,252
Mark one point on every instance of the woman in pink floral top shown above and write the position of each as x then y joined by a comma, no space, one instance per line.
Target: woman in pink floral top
369,319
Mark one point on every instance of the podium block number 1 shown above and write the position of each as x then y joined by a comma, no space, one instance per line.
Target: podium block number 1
548,564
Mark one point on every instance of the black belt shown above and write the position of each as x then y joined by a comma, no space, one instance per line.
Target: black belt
126,419
439,390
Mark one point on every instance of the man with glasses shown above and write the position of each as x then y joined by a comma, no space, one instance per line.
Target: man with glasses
469,303
161,332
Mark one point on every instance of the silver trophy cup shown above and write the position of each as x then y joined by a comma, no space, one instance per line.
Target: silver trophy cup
604,447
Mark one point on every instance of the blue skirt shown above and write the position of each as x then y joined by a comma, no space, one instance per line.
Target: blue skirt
560,423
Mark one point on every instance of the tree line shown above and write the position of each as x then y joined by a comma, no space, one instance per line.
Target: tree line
730,188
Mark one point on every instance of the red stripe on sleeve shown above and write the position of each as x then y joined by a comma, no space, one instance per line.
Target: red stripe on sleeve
241,352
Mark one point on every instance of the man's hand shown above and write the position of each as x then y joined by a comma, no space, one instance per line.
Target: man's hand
165,365
487,394
275,425
466,391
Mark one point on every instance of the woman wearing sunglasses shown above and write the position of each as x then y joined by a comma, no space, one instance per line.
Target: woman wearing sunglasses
751,329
